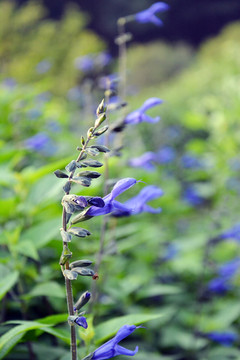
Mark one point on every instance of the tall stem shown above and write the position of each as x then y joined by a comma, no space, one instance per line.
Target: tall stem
68,285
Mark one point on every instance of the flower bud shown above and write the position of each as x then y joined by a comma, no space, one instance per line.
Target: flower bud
80,263
100,120
83,300
65,256
101,108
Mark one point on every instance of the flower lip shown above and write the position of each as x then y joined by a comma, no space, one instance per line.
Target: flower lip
81,321
148,15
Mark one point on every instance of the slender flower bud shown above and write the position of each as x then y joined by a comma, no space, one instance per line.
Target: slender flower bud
83,300
100,120
101,108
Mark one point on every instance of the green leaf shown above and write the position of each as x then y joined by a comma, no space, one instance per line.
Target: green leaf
159,289
110,327
28,249
41,234
50,288
8,282
13,336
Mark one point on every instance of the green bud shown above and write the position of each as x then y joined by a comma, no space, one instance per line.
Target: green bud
80,232
101,131
60,174
89,174
83,300
101,108
100,120
66,255
80,263
92,152
82,181
90,132
83,271
66,237
91,163
80,217
71,275
100,148
82,141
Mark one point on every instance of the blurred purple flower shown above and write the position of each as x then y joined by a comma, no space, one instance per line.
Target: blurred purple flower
84,63
111,348
41,143
149,15
53,126
110,203
34,113
144,161
103,59
225,338
75,94
190,161
108,82
165,155
139,115
192,197
137,204
170,252
81,321
232,233
226,272
9,83
43,66
219,285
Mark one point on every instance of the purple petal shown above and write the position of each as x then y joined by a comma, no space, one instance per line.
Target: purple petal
121,186
159,6
151,102
133,118
144,161
81,321
123,351
156,21
96,211
149,119
124,331
151,210
97,201
80,200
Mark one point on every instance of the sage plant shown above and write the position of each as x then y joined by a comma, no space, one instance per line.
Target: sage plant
88,207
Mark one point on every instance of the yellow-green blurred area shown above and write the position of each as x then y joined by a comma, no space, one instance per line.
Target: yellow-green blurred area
176,272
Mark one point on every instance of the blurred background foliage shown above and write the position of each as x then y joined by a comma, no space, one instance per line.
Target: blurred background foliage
155,267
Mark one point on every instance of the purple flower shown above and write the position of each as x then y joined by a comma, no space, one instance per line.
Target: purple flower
139,115
225,338
192,197
145,161
108,82
233,233
96,201
40,143
219,285
43,66
109,200
103,59
190,161
111,347
137,204
81,321
226,272
148,15
165,155
81,201
84,63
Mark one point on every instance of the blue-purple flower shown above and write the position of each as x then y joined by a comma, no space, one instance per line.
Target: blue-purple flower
226,272
232,233
139,115
190,161
165,155
43,66
110,203
225,338
192,197
145,161
149,15
103,59
111,347
138,203
84,63
81,321
40,143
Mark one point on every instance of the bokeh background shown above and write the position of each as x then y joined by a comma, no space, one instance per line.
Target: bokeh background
177,272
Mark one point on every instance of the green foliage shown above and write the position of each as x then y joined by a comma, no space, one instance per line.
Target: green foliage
28,38
138,282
